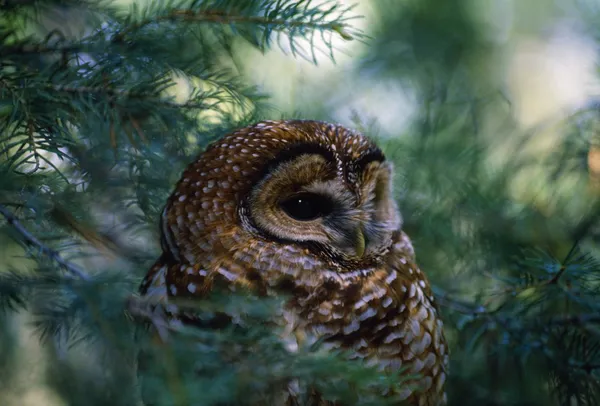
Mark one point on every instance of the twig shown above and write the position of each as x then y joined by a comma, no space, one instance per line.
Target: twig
458,305
31,240
509,324
24,49
222,18
586,366
576,320
127,94
563,267
144,310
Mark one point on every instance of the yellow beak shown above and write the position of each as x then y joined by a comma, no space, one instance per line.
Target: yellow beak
360,243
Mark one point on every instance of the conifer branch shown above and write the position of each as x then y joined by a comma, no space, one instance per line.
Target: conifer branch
33,241
460,306
213,16
36,49
135,306
573,320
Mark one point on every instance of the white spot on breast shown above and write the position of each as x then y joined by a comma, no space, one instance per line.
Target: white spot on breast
393,336
361,344
189,256
408,337
379,292
358,355
426,383
391,277
171,308
370,312
421,314
440,381
352,327
419,346
403,394
387,302
417,366
324,311
191,288
430,360
337,315
229,275
415,327
322,330
422,283
379,327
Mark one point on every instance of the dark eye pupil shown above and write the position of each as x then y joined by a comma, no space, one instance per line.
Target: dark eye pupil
307,206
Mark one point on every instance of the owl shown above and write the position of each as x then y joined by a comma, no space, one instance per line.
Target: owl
307,207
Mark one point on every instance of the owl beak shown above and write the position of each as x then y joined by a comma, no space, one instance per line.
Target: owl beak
360,242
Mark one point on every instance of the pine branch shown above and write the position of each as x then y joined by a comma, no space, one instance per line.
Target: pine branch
136,307
213,16
31,240
36,49
460,306
573,320
145,310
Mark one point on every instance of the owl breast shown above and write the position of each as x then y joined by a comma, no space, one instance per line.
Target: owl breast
385,317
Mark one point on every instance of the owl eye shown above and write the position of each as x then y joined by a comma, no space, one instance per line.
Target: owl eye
307,206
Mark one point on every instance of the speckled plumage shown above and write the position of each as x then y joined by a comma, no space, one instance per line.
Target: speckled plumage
222,223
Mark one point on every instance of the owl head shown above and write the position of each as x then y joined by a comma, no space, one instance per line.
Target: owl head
303,184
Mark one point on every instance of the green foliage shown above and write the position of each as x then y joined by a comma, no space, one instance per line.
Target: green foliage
511,246
101,107
94,131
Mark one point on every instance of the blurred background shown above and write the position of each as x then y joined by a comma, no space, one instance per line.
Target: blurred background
489,110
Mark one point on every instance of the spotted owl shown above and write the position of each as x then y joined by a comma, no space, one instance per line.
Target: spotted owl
307,207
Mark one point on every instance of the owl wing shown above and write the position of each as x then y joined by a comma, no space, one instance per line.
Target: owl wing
170,281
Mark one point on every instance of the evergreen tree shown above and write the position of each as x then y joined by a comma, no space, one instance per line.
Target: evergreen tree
101,108
93,139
